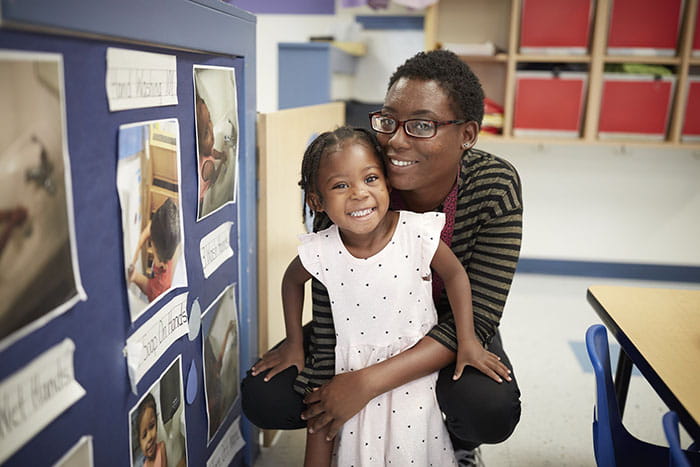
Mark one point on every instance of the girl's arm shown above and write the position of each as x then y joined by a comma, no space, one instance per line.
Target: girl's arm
145,235
139,279
469,349
318,450
229,332
291,351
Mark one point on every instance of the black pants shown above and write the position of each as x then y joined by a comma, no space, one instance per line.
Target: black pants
477,409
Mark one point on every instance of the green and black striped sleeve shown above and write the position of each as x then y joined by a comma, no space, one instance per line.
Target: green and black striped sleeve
486,239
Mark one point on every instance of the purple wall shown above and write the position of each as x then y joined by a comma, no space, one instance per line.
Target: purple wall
300,7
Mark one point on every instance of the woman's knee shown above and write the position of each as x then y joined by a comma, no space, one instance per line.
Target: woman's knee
273,404
477,408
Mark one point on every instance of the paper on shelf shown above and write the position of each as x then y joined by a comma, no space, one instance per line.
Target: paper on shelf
484,48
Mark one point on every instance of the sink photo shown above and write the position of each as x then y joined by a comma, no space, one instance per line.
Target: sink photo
38,278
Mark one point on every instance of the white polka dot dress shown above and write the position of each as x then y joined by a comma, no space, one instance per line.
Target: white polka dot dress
381,306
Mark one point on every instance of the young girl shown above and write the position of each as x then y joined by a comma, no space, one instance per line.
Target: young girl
376,265
152,451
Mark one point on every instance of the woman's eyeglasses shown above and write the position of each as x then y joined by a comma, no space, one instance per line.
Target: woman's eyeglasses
416,127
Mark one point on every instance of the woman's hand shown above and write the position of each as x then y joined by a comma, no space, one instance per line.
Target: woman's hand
279,359
471,352
336,402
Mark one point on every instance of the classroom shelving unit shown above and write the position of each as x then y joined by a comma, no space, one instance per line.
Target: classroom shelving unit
500,22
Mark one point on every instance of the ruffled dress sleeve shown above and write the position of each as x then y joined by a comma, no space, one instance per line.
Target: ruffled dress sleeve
309,251
430,226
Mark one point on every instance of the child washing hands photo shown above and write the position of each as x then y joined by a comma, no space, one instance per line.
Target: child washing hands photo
376,265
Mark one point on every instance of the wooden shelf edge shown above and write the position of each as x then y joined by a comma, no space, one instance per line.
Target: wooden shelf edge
646,59
498,58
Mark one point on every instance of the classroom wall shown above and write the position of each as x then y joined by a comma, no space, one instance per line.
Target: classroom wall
592,203
608,203
386,50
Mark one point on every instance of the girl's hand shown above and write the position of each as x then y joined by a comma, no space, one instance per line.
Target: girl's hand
471,352
336,402
279,359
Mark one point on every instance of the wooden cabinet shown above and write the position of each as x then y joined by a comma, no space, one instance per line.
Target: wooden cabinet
499,23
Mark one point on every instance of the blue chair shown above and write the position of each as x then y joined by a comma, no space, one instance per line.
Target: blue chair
677,457
613,445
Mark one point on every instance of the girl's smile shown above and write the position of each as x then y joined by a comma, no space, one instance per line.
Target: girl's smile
363,212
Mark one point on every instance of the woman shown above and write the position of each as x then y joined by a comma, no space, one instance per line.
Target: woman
428,126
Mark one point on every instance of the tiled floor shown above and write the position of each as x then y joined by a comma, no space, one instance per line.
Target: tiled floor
543,330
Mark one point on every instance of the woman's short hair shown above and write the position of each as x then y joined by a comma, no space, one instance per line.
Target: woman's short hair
454,76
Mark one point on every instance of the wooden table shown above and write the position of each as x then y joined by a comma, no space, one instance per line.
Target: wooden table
659,331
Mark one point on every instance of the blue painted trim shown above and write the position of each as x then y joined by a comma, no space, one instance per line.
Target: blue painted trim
659,272
228,30
284,7
391,22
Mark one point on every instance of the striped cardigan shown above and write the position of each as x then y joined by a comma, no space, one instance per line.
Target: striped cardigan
486,239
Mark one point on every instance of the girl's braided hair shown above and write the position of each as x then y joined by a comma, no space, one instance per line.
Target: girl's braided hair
324,144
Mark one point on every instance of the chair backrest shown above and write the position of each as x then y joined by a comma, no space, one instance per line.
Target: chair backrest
677,457
612,443
606,401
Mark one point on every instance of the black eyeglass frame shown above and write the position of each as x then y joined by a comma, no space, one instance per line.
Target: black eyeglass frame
402,123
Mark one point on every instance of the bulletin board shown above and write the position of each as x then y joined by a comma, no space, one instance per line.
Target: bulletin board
79,382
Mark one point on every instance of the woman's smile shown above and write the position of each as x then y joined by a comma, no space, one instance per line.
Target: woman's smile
399,163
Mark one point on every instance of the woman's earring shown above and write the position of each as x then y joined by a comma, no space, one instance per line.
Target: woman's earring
465,145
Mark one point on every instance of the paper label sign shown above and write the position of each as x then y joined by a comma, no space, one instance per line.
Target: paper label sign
146,345
136,79
214,248
36,395
230,444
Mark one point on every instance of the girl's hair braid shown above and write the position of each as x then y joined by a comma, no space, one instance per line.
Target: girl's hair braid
326,143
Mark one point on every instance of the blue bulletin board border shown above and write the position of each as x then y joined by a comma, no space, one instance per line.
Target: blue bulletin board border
199,32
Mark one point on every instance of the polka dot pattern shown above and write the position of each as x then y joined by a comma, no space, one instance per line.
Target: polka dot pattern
381,306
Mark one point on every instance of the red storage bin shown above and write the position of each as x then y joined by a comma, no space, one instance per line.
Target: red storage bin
644,27
636,106
691,124
555,26
549,105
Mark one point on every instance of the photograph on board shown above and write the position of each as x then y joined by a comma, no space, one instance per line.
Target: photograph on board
157,423
221,365
148,181
80,455
216,123
39,274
